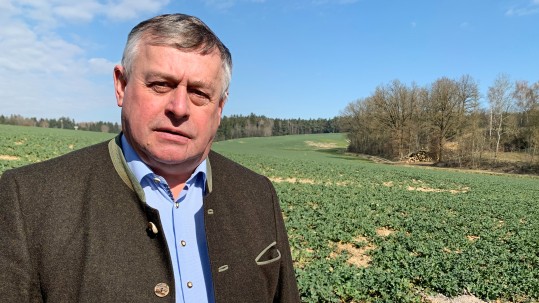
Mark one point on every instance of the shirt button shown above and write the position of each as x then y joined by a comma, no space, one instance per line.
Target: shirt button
161,290
153,228
177,204
190,284
183,243
156,180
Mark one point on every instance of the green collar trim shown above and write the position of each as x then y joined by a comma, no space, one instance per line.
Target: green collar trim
120,165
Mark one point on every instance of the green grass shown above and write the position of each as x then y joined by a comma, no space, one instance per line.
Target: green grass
369,232
20,145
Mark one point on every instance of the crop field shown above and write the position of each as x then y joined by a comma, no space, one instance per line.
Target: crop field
20,145
370,232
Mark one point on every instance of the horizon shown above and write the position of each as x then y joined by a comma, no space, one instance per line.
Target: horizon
300,59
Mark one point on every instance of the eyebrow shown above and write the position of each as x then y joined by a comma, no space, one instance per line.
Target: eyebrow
194,83
161,76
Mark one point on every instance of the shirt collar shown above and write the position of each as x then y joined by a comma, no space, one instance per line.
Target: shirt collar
140,170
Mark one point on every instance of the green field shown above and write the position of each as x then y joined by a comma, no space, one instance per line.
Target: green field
20,145
369,232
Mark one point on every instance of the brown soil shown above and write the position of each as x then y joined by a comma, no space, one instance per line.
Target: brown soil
8,158
321,145
292,180
460,299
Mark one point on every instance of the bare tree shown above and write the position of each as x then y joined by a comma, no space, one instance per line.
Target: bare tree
468,128
501,104
527,101
394,107
445,109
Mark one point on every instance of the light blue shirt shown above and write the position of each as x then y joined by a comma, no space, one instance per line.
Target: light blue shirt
183,225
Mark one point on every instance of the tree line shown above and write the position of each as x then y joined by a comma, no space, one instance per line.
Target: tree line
232,127
447,120
238,126
62,122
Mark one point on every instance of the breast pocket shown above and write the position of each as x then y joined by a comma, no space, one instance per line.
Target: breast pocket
268,255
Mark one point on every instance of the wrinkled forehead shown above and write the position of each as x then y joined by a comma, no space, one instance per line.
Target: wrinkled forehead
183,43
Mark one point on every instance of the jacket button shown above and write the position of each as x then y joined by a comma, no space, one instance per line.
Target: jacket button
153,228
161,290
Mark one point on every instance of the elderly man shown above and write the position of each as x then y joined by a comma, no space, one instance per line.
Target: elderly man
153,215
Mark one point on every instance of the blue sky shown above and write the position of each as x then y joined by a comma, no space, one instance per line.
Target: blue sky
292,58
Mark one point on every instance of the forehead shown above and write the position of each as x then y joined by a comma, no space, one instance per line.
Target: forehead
178,62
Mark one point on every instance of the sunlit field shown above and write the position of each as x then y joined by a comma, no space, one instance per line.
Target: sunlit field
371,232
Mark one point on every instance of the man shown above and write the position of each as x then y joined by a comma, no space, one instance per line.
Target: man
153,215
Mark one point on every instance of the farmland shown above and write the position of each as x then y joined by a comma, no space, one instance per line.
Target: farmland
20,145
368,232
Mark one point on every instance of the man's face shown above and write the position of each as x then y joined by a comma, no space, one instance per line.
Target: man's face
171,106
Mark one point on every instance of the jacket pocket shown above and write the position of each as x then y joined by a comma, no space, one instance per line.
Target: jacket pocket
268,255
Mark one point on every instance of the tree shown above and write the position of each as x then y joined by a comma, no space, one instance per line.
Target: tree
445,110
394,107
527,101
501,104
469,133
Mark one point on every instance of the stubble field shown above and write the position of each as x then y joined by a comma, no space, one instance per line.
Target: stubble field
371,232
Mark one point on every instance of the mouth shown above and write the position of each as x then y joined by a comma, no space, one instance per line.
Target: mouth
173,133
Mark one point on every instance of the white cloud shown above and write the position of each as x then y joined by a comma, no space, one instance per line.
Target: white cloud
7,8
78,11
530,9
43,73
128,9
101,66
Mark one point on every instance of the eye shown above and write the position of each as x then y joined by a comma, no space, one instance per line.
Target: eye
198,97
160,87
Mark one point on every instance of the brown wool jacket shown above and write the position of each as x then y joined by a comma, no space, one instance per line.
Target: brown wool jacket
75,229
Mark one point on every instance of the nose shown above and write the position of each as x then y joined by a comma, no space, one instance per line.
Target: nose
178,105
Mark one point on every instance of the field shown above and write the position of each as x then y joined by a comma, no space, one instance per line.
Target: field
370,232
21,145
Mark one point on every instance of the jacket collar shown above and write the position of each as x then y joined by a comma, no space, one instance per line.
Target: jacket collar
120,165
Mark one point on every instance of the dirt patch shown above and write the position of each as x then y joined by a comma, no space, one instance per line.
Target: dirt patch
292,180
321,145
9,158
419,185
424,188
388,184
384,231
438,190
460,299
358,255
472,238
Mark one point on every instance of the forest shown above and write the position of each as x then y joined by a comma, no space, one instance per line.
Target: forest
232,127
449,122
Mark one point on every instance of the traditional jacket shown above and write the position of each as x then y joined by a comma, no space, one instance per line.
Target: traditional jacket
77,229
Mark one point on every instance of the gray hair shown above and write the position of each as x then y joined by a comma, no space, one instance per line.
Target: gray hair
184,32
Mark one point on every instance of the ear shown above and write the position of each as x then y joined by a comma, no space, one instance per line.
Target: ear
119,84
223,100
221,105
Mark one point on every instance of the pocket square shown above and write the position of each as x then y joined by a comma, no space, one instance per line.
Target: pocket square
269,255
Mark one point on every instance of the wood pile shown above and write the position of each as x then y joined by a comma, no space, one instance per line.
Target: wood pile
419,156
